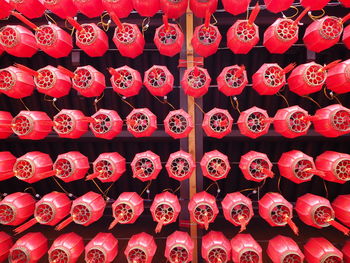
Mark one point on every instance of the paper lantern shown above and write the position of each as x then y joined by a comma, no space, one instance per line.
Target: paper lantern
341,206
276,6
5,245
140,249
335,166
61,8
314,5
121,8
158,80
203,209
232,80
201,7
217,123
236,7
319,249
89,8
245,249
215,165
5,9
146,8
126,81
165,209
146,166
67,248
102,248
178,124
282,249
5,124
141,122
180,165
195,81
173,8
338,77
30,8
179,247
346,252
256,166
7,161
108,124
16,83
215,247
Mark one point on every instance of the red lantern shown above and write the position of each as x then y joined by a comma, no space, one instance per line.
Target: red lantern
108,167
179,247
346,37
89,8
126,81
5,245
341,206
102,248
165,209
146,166
314,5
215,165
256,166
236,7
5,11
146,8
141,122
203,209
276,6
217,123
292,122
173,8
66,248
5,124
346,252
180,165
245,249
16,208
345,3
122,8
243,35
195,81
61,8
254,122
30,248
7,161
216,247
284,249
338,78
316,211
178,124
16,83
30,8
237,209
141,248
71,166
200,8
319,249
158,80
277,211
335,166
108,124
232,80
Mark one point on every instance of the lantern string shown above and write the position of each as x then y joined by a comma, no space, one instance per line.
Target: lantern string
165,101
215,20
218,190
279,184
145,24
294,15
31,188
235,103
98,187
325,188
53,102
107,190
146,188
97,100
283,97
171,190
62,188
315,17
311,99
125,101
199,107
68,27
49,19
25,106
104,25
331,96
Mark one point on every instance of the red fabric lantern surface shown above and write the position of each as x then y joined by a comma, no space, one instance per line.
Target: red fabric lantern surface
158,80
5,124
102,248
217,123
203,209
126,209
314,5
178,124
319,249
108,124
282,249
146,8
345,3
7,161
195,81
215,247
5,9
5,245
276,6
215,165
180,165
122,8
346,252
31,125
332,121
16,83
30,248
146,166
346,36
66,248
338,77
141,248
71,166
245,249
256,166
236,7
141,122
238,209
126,81
173,8
30,8
277,211
61,8
200,8
165,209
16,208
341,206
335,165
232,80
316,211
89,8
108,167
254,122
179,247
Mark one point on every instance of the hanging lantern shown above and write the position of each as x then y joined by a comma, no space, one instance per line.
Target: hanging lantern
16,208
122,8
314,5
179,247
245,249
173,8
283,249
165,209
180,165
256,166
158,80
316,211
292,122
108,167
5,11
5,124
30,248
346,251
236,7
203,209
108,124
277,211
7,161
126,81
16,83
126,209
141,248
341,206
29,8
146,8
61,8
345,3
346,37
67,248
178,124
102,248
254,122
319,249
215,165
217,123
237,209
5,245
146,166
195,81
89,8
232,80
243,35
276,6
141,122
216,247
71,166
338,77
200,8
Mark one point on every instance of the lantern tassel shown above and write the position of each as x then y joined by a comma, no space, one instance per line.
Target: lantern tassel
93,176
75,24
207,19
239,72
116,20
196,71
309,118
25,226
159,226
329,66
64,223
254,14
66,72
25,20
267,120
315,172
302,14
89,119
206,222
165,22
48,174
28,70
288,68
116,221
243,223
345,18
339,226
293,226
268,172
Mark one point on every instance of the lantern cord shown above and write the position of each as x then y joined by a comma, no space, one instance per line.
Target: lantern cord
235,103
25,106
69,28
97,100
31,188
146,188
283,97
98,187
62,188
294,15
279,184
317,16
325,188
53,102
178,188
331,96
217,188
171,190
165,101
311,99
49,19
199,107
215,20
125,101
104,25
107,190
145,24
254,189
